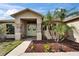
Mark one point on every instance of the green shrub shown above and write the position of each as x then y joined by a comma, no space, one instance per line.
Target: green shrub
32,47
46,47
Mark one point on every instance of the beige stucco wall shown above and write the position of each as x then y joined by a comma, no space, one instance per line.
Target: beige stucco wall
76,30
19,23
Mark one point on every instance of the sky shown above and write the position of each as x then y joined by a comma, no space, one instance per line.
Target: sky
7,9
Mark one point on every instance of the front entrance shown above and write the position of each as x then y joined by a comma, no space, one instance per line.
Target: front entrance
28,23
31,30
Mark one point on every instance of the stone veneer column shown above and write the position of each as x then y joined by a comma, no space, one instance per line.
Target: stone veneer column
17,29
39,34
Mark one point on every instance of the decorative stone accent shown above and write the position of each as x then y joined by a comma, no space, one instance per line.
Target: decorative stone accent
17,30
39,34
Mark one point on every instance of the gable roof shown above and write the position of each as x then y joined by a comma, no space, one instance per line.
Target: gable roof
27,9
72,18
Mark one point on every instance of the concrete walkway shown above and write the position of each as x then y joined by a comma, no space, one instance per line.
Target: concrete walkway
20,49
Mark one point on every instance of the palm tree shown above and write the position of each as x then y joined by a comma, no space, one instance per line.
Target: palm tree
61,28
48,22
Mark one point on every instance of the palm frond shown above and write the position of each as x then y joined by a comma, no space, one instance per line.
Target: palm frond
74,13
72,9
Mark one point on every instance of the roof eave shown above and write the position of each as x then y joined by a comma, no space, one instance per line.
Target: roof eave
13,15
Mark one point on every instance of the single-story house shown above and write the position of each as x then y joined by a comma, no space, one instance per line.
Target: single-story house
28,23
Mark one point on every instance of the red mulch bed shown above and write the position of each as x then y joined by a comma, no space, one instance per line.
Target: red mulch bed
65,46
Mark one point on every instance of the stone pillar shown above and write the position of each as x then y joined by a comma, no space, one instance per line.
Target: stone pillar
39,28
17,29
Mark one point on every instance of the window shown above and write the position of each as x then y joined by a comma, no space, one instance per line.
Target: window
10,29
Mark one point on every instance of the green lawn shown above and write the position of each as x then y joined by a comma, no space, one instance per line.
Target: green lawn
6,47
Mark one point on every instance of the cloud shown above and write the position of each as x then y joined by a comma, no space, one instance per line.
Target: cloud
11,11
7,9
39,10
10,6
6,15
1,11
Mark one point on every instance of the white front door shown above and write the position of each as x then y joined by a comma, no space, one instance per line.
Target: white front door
31,30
